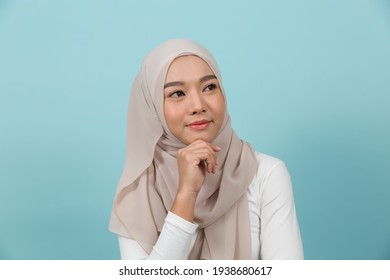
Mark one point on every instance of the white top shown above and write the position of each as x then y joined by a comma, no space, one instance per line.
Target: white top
274,226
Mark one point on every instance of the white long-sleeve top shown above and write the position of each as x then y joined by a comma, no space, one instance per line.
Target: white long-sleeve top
274,226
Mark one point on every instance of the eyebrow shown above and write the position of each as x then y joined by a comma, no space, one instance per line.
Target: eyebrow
178,83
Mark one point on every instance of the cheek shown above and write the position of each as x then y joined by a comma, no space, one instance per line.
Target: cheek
173,115
220,107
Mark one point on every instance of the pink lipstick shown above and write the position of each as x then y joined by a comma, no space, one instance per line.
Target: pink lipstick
202,124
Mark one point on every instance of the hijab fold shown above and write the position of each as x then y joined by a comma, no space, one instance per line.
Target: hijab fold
149,181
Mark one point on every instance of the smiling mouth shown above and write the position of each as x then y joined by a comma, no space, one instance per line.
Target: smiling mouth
199,125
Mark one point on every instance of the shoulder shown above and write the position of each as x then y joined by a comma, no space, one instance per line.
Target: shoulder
267,160
268,165
272,176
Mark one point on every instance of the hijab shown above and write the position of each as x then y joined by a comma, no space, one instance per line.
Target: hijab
149,181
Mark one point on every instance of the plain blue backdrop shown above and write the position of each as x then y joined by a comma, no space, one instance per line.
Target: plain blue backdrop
307,81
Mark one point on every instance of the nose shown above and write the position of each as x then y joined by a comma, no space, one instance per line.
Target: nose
198,104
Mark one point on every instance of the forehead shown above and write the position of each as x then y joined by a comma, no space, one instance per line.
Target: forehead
187,67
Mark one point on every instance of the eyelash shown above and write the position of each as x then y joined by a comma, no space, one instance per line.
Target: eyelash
213,86
209,87
176,92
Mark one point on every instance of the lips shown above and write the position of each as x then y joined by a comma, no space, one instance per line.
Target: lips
199,124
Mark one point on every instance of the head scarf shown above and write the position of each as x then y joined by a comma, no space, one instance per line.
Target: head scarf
149,182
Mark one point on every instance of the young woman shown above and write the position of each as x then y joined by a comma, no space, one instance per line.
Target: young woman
190,188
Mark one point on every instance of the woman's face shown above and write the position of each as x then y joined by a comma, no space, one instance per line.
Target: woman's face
194,106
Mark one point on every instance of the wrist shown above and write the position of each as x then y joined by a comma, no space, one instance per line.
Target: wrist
184,205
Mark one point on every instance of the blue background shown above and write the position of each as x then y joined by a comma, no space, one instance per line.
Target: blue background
307,81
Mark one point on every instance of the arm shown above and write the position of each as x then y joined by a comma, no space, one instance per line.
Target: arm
280,236
193,162
175,242
178,234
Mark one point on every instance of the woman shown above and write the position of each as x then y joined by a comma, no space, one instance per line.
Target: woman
190,188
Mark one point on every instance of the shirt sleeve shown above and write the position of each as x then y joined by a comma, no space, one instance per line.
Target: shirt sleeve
280,236
175,242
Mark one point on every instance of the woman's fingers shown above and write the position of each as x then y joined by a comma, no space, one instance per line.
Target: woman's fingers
206,154
198,156
193,161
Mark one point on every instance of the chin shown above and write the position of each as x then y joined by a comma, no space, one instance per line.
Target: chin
191,140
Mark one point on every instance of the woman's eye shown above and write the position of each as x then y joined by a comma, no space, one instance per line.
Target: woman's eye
177,94
210,87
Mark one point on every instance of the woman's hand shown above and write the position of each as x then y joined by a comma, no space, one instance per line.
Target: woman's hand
193,162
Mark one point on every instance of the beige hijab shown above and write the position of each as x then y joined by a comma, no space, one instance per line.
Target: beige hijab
149,181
